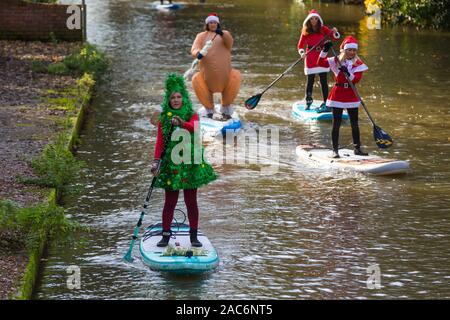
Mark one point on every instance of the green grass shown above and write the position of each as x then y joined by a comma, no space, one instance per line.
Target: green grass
56,167
88,60
71,99
58,68
31,224
38,66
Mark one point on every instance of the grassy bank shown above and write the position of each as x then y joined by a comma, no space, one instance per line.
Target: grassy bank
55,169
434,14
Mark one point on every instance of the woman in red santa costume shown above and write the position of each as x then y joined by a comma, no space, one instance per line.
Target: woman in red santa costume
342,95
313,32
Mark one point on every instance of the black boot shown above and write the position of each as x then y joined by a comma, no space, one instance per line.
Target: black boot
359,152
335,154
165,239
226,117
194,240
323,108
309,100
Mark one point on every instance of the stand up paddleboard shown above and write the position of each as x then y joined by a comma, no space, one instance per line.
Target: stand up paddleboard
371,164
299,112
215,127
178,257
167,6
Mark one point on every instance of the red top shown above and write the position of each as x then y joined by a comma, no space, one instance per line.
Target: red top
342,95
310,40
159,146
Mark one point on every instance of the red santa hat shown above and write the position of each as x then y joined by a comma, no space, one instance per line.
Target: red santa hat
349,43
312,13
212,17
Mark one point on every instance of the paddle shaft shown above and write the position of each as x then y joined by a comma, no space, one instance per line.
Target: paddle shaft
352,85
281,75
294,64
147,199
205,43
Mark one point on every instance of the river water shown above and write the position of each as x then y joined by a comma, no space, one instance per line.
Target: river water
299,233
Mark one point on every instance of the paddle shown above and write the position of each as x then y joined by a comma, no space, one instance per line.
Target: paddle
253,101
382,139
127,256
188,74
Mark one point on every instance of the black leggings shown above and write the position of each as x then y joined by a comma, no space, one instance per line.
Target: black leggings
323,84
337,119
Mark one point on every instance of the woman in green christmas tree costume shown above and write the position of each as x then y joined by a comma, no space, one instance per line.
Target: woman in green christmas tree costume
177,171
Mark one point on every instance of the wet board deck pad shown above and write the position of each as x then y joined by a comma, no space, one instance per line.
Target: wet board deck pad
299,112
371,164
212,128
153,257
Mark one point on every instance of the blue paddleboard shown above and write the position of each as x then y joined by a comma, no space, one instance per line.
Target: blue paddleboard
178,257
299,112
167,6
217,127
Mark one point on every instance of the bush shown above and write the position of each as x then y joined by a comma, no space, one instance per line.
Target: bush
84,85
423,13
33,223
56,166
88,60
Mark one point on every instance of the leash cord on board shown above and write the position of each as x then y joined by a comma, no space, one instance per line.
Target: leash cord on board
153,233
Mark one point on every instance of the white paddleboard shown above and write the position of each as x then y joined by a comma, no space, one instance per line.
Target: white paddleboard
371,164
167,6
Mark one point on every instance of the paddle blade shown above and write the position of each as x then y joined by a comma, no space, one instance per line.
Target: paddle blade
382,139
252,102
190,72
127,257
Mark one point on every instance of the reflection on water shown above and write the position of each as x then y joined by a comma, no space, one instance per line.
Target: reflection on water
298,233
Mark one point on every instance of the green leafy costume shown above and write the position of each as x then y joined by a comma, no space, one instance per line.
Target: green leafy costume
185,175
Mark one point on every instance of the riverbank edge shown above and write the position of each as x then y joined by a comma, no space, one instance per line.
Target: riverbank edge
28,280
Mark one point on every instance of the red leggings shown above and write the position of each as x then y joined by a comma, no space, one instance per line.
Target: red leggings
190,199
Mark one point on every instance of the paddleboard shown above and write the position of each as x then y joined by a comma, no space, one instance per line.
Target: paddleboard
178,257
371,164
167,6
299,112
215,127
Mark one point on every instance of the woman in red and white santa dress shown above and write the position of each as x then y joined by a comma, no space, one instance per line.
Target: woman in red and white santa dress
342,95
313,32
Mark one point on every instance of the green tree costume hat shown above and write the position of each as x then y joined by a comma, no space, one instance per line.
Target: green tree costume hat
192,174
